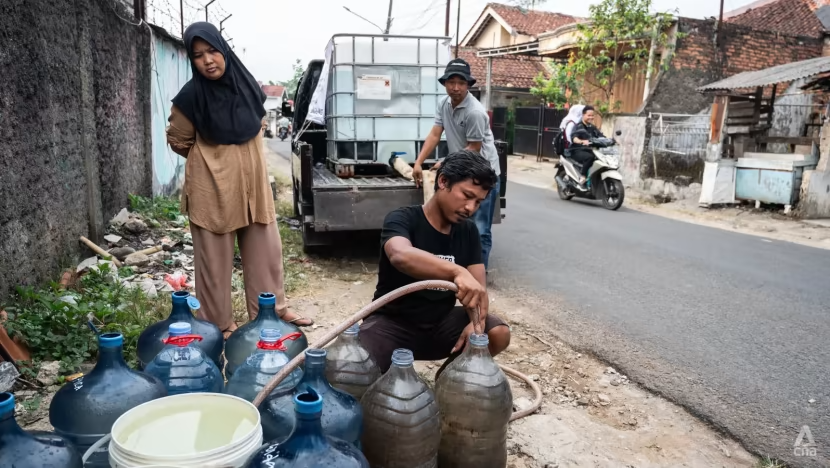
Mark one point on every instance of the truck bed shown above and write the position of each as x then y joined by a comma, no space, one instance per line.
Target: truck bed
325,181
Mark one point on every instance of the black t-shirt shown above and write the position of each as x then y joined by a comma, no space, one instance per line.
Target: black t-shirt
585,131
461,246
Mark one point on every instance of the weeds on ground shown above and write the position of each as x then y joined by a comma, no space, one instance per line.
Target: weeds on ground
292,248
768,462
53,321
160,209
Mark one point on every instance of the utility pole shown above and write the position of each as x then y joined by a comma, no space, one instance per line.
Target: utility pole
140,9
720,21
221,23
389,19
207,18
447,21
181,15
458,28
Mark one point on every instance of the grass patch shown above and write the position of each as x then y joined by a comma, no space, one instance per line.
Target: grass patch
159,209
293,257
53,322
768,462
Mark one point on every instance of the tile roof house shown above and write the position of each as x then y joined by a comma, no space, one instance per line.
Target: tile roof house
507,72
273,90
809,18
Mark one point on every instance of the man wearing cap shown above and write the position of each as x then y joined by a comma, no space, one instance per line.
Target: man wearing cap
466,125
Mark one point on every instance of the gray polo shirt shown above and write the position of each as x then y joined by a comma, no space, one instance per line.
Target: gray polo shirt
467,122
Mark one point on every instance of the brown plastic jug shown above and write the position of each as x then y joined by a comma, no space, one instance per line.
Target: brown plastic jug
349,367
476,403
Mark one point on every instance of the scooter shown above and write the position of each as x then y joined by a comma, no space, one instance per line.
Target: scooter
283,133
604,180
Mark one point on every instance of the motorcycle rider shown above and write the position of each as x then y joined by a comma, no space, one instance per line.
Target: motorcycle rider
580,150
569,123
283,122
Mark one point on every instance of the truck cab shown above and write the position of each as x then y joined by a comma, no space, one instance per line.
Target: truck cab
341,175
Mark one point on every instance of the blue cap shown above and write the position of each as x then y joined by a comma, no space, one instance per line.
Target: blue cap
110,340
7,403
267,299
193,303
179,328
308,402
353,330
180,297
269,334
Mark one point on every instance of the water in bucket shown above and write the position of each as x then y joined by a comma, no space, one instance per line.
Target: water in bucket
308,446
20,449
242,342
401,422
85,408
268,359
342,415
151,339
349,367
182,366
476,405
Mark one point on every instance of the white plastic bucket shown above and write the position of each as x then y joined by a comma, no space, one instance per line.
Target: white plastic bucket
190,430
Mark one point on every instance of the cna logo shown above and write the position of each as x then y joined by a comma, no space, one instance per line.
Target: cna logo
805,445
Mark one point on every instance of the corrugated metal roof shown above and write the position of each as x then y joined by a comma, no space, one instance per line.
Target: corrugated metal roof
769,76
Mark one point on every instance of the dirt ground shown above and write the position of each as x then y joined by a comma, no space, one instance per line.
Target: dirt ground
745,219
591,415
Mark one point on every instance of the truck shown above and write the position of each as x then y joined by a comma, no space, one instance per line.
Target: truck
342,178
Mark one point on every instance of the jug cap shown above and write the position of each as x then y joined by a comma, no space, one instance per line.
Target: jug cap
193,303
179,328
7,402
402,357
479,340
267,299
353,330
180,297
110,340
308,402
269,334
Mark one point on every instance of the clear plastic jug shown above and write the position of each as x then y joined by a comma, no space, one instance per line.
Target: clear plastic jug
342,415
402,428
476,403
307,446
242,342
85,409
20,449
182,366
349,367
255,373
151,339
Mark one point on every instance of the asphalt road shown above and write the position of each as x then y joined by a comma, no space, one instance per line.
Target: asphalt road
734,327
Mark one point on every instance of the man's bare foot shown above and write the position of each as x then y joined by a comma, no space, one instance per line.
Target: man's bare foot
298,320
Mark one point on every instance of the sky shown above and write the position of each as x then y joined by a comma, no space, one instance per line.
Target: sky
269,35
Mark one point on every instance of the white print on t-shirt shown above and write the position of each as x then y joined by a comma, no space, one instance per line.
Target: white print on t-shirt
449,258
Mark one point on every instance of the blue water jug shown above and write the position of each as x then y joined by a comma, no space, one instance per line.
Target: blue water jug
342,414
307,446
268,359
182,366
150,341
20,449
85,409
242,342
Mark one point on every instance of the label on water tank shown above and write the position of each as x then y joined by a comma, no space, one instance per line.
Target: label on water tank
375,87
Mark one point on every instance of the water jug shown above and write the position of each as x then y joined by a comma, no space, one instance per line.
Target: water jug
260,367
476,404
85,409
20,449
307,446
150,341
349,367
402,428
242,342
182,366
342,414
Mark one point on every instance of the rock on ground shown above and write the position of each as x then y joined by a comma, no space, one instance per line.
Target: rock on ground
136,226
48,373
8,376
112,238
121,252
136,260
122,217
91,261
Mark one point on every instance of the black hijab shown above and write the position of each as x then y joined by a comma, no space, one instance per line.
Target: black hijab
227,111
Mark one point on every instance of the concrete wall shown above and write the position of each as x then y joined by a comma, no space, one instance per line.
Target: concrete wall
698,61
74,129
631,143
171,71
494,35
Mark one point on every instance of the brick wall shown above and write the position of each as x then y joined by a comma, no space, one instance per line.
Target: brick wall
698,61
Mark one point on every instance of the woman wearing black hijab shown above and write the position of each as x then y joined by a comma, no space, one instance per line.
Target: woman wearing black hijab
216,122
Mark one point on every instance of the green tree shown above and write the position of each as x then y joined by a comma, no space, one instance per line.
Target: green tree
291,85
270,82
562,87
613,45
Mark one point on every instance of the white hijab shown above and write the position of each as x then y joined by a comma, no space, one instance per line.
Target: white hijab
575,116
